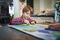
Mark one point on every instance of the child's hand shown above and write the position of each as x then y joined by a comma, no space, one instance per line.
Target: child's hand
33,23
26,22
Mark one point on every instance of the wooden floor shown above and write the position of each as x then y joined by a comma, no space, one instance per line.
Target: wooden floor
7,33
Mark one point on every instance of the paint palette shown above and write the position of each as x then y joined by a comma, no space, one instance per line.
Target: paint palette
57,34
44,31
38,31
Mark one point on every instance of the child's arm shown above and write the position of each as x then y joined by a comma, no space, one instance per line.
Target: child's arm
55,26
31,21
34,22
16,21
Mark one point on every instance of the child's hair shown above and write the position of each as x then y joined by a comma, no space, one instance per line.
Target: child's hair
27,8
22,0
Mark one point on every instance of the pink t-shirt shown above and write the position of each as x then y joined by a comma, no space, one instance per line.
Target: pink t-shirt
20,20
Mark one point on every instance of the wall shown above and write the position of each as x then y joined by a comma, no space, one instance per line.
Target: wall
48,4
36,6
16,8
17,11
40,5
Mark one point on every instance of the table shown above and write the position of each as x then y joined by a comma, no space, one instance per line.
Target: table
37,30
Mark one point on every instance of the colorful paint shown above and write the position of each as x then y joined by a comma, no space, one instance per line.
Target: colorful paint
38,30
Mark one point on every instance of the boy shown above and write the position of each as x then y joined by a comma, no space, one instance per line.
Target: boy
25,18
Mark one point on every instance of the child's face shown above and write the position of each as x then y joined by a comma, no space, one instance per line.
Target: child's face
26,15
